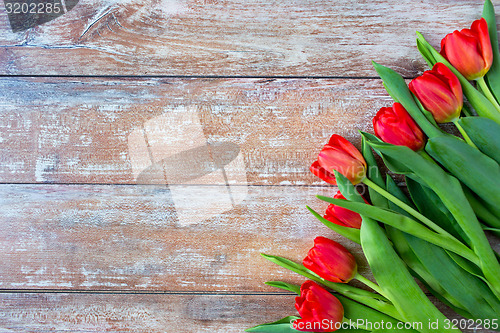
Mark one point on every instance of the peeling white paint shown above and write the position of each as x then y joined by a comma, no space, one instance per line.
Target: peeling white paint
44,164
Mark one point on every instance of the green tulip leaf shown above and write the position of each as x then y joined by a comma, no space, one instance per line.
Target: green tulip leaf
427,268
355,311
373,173
468,266
418,268
393,164
474,271
387,267
349,233
362,296
426,54
493,75
450,191
372,170
286,286
364,315
443,275
469,165
485,134
396,86
341,288
402,241
281,326
291,265
405,224
346,188
394,189
486,212
431,206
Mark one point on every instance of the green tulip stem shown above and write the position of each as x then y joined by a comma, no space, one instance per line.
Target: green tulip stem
369,283
487,92
408,209
464,133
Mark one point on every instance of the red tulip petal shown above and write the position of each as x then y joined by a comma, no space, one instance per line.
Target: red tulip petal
332,158
480,30
317,306
462,50
330,215
339,195
322,173
345,145
451,79
395,126
436,97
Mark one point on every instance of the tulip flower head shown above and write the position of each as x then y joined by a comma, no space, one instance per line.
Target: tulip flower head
396,126
469,50
342,216
440,93
340,155
331,261
319,310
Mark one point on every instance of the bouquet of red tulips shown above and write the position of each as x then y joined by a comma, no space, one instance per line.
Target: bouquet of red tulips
433,232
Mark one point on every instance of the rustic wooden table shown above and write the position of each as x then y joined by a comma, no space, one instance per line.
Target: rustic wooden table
150,150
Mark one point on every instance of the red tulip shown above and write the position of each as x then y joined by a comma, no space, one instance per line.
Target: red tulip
340,155
319,309
469,50
342,216
331,261
440,93
395,126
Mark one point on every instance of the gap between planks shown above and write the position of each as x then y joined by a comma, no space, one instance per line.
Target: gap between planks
272,77
149,292
144,292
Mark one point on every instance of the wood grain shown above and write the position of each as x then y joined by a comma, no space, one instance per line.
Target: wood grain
111,237
26,312
139,313
139,200
232,37
87,130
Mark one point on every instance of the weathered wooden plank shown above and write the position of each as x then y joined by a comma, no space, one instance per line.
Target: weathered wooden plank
109,237
88,130
130,237
35,312
232,37
138,313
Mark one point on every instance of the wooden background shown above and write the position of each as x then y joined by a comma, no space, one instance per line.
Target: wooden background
99,229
